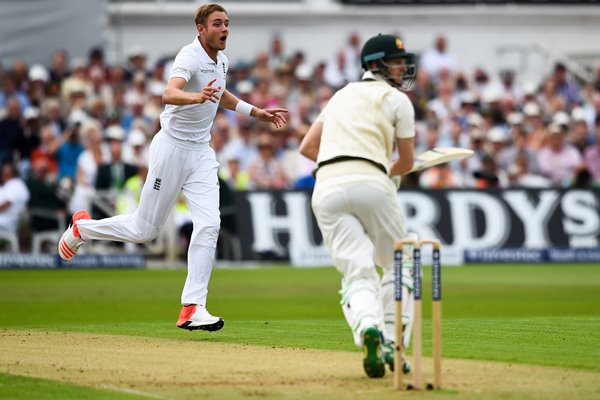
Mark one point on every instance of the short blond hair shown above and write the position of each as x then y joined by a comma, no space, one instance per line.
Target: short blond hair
205,10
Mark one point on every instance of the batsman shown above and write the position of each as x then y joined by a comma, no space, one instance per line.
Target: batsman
354,199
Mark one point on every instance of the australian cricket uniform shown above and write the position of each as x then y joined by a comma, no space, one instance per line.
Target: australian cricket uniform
180,160
354,200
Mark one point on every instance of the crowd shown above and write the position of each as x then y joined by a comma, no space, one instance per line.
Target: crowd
76,128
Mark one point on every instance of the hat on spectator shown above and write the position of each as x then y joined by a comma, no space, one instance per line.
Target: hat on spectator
244,87
77,116
115,132
491,94
561,118
578,115
31,113
531,109
468,97
554,129
496,134
136,51
136,138
38,72
303,72
514,118
529,89
475,119
77,87
476,134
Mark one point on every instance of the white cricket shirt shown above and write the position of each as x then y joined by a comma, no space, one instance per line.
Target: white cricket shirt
364,119
192,122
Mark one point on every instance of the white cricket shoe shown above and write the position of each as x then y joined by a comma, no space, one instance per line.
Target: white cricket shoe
195,317
71,240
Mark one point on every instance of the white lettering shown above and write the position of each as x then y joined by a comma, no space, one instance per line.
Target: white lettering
581,219
535,219
496,220
267,225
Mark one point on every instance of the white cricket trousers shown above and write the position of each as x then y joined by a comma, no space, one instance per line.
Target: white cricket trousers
360,220
173,166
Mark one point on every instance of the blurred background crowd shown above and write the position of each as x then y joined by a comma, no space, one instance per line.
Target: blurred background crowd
74,133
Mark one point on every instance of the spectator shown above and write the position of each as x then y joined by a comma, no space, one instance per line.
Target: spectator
265,170
535,126
135,149
38,80
60,66
592,159
520,175
236,178
11,130
276,56
29,140
243,147
95,154
261,69
96,64
438,58
567,89
113,175
336,74
44,196
489,176
14,196
578,135
68,152
509,88
558,160
77,82
51,114
49,144
137,63
352,57
9,89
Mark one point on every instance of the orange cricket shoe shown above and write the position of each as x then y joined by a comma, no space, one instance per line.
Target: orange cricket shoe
195,317
71,240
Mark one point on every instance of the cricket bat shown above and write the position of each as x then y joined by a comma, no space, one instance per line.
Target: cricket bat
439,155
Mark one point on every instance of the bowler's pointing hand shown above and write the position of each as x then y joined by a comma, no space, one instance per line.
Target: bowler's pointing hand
209,93
273,115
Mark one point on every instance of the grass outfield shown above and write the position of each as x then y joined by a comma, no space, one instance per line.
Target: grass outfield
533,315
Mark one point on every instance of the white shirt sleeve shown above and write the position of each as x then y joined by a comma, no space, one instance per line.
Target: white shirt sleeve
183,66
399,109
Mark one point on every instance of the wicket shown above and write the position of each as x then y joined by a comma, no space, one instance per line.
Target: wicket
436,313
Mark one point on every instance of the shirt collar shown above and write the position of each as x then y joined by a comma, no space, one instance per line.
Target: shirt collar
202,53
371,76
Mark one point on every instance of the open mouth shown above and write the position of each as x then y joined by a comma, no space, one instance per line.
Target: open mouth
223,38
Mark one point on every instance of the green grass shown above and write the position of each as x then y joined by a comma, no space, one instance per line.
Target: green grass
20,387
546,315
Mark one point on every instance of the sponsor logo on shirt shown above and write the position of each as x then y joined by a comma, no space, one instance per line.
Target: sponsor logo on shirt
206,71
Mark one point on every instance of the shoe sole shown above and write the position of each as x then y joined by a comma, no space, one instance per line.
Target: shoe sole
211,327
373,363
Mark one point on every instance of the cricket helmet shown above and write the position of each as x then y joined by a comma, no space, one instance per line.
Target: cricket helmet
376,53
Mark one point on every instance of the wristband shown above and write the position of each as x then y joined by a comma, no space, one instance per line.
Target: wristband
244,108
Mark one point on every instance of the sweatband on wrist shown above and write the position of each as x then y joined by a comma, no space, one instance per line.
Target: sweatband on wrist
244,108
